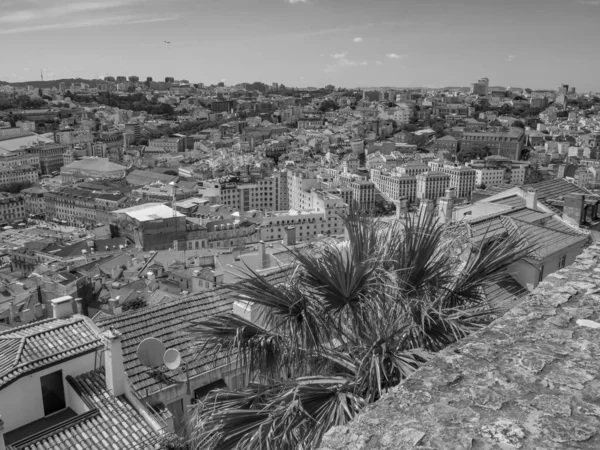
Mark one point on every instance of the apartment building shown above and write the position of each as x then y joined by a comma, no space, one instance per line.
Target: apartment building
395,186
80,207
462,179
447,144
411,168
300,183
432,185
12,208
310,123
403,113
18,158
363,194
18,175
495,170
508,144
322,219
50,156
34,201
248,192
169,145
482,87
452,110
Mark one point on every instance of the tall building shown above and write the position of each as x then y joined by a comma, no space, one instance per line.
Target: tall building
432,185
508,144
51,156
12,208
462,179
395,186
482,87
363,194
133,131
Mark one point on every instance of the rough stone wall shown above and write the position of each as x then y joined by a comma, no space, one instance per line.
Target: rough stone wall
530,380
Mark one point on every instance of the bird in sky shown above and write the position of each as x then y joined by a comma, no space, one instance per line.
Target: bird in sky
167,42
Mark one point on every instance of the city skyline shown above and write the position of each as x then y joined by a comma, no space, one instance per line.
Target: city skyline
427,43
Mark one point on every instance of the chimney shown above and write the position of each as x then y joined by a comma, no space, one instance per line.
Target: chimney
401,207
113,363
451,192
78,306
425,208
62,307
531,199
573,209
38,310
445,208
263,258
113,306
2,444
13,311
290,236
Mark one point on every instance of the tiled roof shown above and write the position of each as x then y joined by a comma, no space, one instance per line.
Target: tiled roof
491,225
113,423
168,322
557,187
513,201
33,347
546,240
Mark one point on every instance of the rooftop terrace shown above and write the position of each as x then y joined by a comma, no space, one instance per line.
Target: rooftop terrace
530,380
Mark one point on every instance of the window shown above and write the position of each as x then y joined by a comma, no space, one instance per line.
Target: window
541,277
53,392
562,261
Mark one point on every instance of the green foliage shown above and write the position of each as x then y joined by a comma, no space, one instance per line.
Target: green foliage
133,304
473,153
350,321
172,442
518,124
328,105
23,102
534,174
16,187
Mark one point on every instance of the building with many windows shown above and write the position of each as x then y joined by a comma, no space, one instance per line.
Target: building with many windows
50,156
395,186
508,144
169,145
363,194
18,175
12,208
462,179
432,185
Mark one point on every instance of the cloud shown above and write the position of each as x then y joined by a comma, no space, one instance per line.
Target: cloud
394,56
590,2
96,22
357,39
293,2
340,55
60,10
379,63
509,58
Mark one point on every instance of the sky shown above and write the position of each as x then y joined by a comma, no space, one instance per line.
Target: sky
401,43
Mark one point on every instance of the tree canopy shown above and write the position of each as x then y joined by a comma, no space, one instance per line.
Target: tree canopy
346,324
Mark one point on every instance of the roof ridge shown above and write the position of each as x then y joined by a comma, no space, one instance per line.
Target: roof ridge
27,325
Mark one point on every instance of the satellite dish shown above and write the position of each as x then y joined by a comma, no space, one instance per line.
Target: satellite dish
172,358
150,352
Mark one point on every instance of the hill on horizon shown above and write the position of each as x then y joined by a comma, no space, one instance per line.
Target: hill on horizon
52,83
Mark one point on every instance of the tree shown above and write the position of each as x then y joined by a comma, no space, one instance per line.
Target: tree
350,322
534,174
518,124
473,153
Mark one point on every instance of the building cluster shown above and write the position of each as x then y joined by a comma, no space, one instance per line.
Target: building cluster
121,225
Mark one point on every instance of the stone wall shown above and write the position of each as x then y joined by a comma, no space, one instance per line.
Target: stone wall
530,380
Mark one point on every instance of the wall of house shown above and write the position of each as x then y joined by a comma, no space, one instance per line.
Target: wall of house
21,402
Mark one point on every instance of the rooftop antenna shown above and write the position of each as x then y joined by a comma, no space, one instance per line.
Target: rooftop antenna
152,353
42,75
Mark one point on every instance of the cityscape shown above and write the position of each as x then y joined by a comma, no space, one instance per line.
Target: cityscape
190,265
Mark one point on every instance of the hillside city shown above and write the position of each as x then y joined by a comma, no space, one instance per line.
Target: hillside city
131,207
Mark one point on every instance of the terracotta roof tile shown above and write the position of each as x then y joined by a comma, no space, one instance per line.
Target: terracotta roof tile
35,346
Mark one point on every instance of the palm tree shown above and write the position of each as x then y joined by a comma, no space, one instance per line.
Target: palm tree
350,321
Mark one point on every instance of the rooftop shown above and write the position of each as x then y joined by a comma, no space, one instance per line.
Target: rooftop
150,211
168,322
527,381
95,164
33,347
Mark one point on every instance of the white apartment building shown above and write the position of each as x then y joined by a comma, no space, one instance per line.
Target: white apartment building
12,208
395,186
432,185
324,219
411,168
300,184
403,113
489,177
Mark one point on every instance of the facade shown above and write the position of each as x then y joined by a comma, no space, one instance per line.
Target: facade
403,113
310,123
508,144
411,168
151,226
432,185
18,175
169,145
462,179
12,208
452,110
50,156
363,194
34,201
482,87
394,186
446,144
18,158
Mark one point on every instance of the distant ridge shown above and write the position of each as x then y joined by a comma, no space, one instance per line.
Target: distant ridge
52,83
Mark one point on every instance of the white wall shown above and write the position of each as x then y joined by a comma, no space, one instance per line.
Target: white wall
21,402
